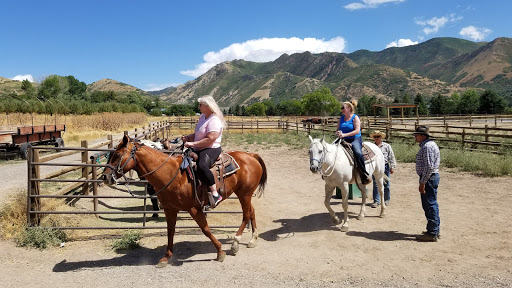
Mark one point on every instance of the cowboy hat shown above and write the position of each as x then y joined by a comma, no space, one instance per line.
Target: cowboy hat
378,133
421,130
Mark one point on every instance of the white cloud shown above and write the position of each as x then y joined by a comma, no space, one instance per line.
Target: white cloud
369,4
265,50
434,24
475,33
402,43
23,77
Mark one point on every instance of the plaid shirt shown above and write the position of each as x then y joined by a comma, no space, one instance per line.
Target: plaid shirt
389,155
427,160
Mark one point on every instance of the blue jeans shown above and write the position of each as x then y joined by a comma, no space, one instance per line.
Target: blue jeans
357,148
430,206
376,196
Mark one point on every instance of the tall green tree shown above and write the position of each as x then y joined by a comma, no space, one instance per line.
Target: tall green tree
256,109
422,106
50,87
469,102
438,104
491,103
453,103
320,102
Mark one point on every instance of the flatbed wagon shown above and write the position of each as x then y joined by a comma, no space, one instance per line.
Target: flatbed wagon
17,142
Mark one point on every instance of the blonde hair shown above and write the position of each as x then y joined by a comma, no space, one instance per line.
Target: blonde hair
210,102
352,104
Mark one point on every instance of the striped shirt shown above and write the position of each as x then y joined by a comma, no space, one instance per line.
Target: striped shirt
389,155
427,160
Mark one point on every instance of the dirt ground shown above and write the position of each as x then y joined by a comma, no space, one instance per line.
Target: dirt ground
298,245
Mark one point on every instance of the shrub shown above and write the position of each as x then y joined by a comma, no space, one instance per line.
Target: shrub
40,237
129,241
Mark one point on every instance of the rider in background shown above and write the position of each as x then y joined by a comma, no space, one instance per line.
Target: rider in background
206,141
349,129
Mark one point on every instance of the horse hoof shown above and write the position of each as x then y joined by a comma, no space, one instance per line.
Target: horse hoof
234,249
221,257
161,264
360,217
251,244
382,215
344,229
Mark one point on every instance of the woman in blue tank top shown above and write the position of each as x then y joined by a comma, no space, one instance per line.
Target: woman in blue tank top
349,129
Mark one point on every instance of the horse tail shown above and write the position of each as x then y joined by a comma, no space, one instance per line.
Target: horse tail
263,179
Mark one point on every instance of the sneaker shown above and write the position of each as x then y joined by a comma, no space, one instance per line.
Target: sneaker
438,235
217,199
426,238
375,205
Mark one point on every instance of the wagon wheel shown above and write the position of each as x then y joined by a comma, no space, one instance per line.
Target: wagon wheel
24,150
59,142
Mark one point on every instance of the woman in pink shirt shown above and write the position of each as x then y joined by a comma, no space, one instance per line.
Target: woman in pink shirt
206,141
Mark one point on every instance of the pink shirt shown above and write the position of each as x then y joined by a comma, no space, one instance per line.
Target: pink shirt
205,126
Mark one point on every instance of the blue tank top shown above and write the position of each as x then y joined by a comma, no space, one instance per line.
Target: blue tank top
348,126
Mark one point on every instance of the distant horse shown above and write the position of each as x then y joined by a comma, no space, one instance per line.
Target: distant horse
175,190
338,171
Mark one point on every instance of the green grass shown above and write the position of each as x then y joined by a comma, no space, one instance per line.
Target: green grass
485,164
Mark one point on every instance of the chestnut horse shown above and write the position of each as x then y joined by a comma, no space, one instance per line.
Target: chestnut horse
175,189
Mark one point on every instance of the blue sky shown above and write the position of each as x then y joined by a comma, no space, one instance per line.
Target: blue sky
156,44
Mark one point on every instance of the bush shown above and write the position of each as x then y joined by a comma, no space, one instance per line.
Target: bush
40,237
129,241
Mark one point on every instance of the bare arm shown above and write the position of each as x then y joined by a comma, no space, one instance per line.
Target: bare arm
357,128
205,142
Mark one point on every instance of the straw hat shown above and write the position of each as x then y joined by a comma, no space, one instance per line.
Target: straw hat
378,133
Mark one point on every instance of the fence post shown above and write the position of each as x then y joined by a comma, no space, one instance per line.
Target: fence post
33,204
463,137
470,120
257,126
94,185
110,144
486,133
296,125
495,120
85,170
242,125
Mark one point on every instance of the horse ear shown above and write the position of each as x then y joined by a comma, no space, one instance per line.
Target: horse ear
126,139
310,138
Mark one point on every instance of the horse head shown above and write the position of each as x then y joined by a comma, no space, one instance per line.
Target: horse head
120,161
317,151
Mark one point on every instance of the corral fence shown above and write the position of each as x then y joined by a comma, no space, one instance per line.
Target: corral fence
84,178
489,133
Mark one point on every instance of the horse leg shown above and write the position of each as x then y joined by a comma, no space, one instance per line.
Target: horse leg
362,212
255,234
327,202
344,195
198,216
247,210
380,186
170,216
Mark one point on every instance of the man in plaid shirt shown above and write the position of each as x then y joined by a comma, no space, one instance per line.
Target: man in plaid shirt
427,168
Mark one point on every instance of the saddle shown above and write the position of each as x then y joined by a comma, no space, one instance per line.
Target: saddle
224,166
368,155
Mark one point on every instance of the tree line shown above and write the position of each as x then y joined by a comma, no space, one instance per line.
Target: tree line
58,94
322,103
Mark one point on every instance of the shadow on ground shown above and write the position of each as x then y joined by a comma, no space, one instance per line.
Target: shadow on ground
145,256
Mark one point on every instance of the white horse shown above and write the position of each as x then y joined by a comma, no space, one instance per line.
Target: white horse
338,171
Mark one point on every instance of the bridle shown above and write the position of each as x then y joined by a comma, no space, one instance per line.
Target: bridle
119,169
322,160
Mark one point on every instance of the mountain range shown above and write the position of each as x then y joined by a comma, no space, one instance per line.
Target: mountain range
437,66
